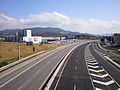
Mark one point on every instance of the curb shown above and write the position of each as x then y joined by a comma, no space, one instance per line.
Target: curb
110,51
101,47
19,61
112,61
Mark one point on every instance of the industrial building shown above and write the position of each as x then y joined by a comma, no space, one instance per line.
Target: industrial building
26,36
30,38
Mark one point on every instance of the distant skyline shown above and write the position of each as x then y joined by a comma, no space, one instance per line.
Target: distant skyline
85,16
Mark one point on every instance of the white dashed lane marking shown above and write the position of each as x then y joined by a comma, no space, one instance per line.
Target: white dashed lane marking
74,87
76,68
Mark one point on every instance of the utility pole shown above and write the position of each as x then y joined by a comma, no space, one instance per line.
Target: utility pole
18,50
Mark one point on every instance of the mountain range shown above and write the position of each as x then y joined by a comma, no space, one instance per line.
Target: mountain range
39,31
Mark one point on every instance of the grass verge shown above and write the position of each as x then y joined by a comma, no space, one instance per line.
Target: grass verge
9,51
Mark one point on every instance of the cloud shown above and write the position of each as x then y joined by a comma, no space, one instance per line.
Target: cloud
55,19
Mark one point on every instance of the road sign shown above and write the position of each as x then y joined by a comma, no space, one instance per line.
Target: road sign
100,65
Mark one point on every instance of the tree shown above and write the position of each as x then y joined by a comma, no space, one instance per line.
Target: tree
102,40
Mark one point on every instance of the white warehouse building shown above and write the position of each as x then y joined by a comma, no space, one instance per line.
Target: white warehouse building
30,38
26,35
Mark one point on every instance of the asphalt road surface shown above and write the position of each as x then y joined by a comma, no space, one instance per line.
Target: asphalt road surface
32,74
85,69
75,75
95,45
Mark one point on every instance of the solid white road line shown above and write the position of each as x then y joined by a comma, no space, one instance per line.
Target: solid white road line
104,83
100,76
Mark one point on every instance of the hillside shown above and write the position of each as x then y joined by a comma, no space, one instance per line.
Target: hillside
48,31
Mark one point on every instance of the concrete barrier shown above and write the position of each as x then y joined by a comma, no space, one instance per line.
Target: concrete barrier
112,61
101,47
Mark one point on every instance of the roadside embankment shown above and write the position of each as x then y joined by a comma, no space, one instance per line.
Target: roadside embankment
9,51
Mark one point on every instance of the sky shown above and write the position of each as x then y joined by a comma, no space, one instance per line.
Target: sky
84,16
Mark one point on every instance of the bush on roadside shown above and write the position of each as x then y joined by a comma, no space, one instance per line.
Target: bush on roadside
3,63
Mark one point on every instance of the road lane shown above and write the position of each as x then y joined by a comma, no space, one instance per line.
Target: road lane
75,74
105,52
34,75
25,78
109,68
83,73
100,77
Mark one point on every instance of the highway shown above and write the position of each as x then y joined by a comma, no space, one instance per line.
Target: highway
33,73
85,69
110,68
105,52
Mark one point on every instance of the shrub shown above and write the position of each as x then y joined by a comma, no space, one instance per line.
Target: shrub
3,63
